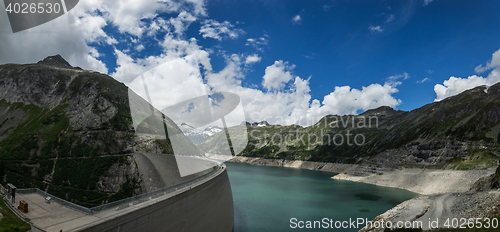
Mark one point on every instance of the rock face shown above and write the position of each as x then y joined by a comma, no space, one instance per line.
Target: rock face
69,131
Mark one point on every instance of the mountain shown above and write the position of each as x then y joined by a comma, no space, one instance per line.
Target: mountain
459,132
69,132
256,124
199,135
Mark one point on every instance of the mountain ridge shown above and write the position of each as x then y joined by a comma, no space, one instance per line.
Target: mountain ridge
459,132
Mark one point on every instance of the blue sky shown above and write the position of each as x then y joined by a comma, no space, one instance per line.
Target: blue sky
296,52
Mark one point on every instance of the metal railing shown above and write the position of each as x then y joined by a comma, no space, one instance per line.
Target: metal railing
121,203
153,194
65,203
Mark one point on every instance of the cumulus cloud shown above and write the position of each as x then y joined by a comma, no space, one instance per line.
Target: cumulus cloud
173,48
493,63
347,100
456,85
128,15
284,98
217,30
252,59
71,34
291,103
277,75
67,35
375,29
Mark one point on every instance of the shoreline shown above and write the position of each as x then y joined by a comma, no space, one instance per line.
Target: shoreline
444,194
315,166
417,180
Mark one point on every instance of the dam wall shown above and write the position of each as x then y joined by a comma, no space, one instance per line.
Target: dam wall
207,207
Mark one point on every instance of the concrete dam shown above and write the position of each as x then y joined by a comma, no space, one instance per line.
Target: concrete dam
201,202
205,207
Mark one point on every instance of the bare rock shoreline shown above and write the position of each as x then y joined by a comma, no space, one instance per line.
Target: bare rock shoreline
421,181
445,194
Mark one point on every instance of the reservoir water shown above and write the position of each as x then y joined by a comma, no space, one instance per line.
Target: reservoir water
266,198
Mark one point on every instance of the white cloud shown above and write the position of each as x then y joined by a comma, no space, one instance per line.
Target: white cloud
394,80
216,30
292,104
285,99
327,7
139,47
127,15
258,43
70,34
127,68
390,18
288,103
423,80
347,100
252,59
94,53
427,2
375,29
182,22
67,35
277,75
493,63
456,85
180,76
404,76
297,19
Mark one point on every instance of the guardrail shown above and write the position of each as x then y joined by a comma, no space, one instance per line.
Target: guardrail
68,204
157,193
124,202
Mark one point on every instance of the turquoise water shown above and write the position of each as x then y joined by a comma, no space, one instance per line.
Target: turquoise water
266,198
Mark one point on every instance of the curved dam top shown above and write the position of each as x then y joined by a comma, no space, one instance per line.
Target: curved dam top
202,205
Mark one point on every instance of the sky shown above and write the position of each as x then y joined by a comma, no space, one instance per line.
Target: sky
287,60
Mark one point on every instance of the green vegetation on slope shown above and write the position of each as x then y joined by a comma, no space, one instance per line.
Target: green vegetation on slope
69,132
10,222
39,146
460,132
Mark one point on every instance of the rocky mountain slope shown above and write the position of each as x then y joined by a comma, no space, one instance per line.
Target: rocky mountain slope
460,132
69,131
